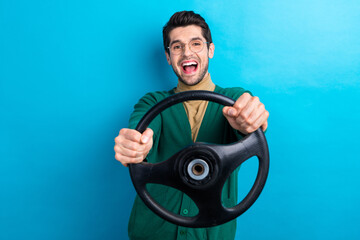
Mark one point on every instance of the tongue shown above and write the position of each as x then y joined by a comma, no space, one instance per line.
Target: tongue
190,68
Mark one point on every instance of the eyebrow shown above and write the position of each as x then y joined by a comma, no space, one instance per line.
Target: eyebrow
178,41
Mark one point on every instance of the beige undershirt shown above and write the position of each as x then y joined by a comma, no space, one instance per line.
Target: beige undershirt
195,110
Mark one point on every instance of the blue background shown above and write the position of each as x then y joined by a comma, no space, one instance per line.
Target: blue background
71,71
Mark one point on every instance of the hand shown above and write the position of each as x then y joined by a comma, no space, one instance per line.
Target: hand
247,115
131,146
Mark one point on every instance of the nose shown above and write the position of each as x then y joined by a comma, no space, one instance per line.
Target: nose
187,51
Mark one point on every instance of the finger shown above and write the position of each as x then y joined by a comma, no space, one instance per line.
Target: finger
264,126
147,135
251,126
261,121
118,157
127,152
256,113
242,101
130,134
249,108
135,146
126,160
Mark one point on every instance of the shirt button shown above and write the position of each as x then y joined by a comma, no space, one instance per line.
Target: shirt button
185,211
182,232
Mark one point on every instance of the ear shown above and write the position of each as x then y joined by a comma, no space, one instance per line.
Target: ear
211,50
168,59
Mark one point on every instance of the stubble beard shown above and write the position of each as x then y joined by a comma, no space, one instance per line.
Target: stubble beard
198,80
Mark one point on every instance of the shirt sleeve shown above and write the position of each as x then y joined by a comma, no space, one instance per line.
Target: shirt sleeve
140,109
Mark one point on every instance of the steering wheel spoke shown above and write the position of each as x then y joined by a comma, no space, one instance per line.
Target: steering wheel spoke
159,173
233,155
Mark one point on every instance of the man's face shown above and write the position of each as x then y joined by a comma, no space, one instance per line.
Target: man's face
190,67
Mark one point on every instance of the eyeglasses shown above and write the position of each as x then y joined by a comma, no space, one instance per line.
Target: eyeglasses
195,46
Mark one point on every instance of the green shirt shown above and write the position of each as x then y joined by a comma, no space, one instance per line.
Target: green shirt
172,132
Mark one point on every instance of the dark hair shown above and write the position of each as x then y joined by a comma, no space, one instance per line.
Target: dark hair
183,19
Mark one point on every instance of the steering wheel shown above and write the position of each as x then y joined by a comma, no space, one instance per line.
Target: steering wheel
201,170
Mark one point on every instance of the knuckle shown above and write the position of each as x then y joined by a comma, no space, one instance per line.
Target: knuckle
116,149
255,99
261,106
141,147
246,94
131,134
239,121
133,154
243,115
117,139
136,136
133,146
123,131
141,157
135,160
118,157
239,104
248,121
267,114
249,129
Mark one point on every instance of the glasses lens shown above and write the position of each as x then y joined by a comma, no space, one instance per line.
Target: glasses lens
176,48
196,45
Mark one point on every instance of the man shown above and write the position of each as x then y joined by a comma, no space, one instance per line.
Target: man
188,47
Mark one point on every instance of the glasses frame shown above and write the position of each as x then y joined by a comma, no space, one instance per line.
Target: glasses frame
183,47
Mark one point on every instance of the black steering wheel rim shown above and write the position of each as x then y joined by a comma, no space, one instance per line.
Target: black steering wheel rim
211,212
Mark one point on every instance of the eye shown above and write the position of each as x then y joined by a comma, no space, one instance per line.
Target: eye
196,43
176,47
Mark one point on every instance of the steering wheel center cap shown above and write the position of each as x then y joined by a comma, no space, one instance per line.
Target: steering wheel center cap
198,169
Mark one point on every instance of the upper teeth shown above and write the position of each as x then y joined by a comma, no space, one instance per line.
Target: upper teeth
189,63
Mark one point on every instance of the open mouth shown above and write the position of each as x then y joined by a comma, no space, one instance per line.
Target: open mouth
189,67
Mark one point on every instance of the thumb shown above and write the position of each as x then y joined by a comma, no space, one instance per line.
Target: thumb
229,112
147,135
